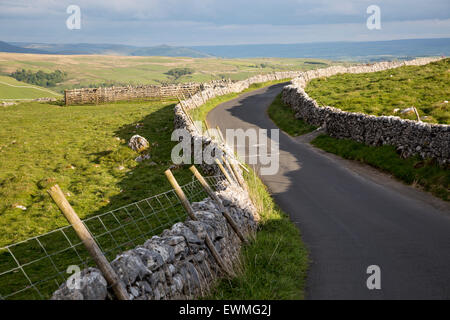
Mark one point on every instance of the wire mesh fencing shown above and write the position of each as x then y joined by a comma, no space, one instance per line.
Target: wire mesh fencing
36,267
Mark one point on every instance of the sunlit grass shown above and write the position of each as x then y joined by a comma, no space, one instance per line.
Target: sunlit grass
380,93
83,149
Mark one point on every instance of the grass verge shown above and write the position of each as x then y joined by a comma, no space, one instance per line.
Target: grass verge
274,264
283,116
414,171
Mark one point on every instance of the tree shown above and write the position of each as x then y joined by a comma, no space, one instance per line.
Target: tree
40,78
179,72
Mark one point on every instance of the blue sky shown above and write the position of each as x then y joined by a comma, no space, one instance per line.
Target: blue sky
208,22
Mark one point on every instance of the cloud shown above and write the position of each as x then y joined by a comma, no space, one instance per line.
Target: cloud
191,22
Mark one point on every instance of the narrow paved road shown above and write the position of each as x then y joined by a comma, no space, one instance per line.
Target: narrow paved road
350,218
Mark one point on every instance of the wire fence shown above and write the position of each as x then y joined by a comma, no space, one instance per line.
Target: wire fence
36,267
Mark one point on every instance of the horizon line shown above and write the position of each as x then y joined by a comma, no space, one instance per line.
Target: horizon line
222,45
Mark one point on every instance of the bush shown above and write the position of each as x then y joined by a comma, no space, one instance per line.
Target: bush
40,78
179,72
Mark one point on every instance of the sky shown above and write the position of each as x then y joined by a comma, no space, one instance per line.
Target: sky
230,22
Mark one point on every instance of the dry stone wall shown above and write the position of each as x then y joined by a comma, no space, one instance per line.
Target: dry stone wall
176,264
409,137
112,94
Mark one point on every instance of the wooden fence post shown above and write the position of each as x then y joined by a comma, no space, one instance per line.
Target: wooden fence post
417,114
224,160
214,196
224,142
189,118
220,134
187,206
89,242
224,172
208,130
236,174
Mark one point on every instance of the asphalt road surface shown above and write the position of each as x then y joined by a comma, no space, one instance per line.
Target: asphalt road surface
351,216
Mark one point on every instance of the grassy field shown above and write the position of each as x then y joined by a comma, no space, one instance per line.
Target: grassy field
10,88
96,70
274,264
83,149
425,87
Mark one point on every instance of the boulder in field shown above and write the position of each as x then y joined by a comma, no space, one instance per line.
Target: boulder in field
138,143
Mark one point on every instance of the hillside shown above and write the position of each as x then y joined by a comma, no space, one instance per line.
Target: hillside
10,88
390,92
345,50
102,70
108,49
6,47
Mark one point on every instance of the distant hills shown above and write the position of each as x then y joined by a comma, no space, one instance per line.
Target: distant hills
108,49
6,47
362,51
357,51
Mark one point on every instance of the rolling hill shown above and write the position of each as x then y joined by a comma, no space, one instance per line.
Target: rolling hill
108,49
6,47
10,88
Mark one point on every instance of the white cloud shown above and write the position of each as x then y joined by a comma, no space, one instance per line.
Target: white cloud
191,22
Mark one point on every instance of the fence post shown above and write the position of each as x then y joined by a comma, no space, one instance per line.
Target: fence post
207,130
224,172
222,208
187,206
224,160
224,142
240,180
220,134
189,117
89,242
66,99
